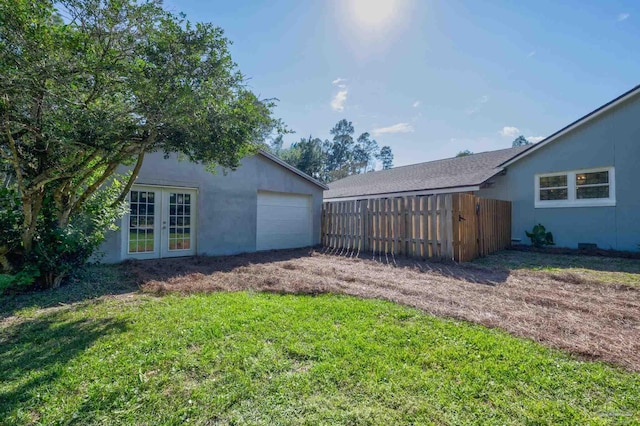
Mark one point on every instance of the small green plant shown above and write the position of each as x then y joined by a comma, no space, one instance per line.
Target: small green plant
19,281
540,237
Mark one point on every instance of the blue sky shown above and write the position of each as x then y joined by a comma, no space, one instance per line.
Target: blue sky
431,78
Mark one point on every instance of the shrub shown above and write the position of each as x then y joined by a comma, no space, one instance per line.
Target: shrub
540,237
57,251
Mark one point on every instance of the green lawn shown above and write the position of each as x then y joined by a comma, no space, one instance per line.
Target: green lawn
613,270
250,358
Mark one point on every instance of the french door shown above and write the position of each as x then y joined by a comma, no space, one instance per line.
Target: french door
161,223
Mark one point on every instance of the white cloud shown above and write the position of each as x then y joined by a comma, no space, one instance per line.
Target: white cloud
535,139
509,131
533,52
477,105
338,101
623,16
396,128
416,104
340,82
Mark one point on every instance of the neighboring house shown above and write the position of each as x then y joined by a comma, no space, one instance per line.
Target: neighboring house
581,183
179,208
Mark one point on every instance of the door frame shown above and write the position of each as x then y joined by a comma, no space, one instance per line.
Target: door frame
160,229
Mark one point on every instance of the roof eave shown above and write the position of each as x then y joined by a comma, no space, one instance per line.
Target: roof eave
433,191
581,121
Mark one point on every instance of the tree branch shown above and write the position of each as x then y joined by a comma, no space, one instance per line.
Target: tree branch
132,178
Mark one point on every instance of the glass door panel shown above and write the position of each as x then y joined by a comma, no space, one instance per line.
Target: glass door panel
179,221
141,235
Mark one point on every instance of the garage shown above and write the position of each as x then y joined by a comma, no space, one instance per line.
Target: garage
284,220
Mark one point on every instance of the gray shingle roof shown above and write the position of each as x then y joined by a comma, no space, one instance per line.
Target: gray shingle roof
471,170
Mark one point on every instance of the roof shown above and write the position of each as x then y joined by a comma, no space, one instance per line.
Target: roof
288,166
449,175
579,122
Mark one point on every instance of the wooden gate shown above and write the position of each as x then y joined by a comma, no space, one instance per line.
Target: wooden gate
458,226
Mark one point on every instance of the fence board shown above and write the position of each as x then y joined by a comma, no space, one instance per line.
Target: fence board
449,226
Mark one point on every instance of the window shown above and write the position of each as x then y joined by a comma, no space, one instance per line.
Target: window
579,188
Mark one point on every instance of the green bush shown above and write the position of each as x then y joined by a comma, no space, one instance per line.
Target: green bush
58,251
540,237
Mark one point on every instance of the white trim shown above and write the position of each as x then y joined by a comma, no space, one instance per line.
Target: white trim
160,186
406,193
165,251
572,201
160,204
580,122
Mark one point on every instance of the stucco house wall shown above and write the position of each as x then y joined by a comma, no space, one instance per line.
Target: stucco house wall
612,139
226,202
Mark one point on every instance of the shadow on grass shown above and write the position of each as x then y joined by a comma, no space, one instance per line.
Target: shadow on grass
34,352
545,259
90,283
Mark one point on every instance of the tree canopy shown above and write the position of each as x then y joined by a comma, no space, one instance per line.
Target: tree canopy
337,158
87,85
464,153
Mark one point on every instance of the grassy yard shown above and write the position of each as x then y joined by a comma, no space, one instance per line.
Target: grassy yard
253,358
604,269
221,341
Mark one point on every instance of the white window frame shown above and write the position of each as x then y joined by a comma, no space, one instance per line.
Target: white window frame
572,190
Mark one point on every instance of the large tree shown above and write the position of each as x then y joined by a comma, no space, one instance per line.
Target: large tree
99,83
340,151
336,158
307,156
364,153
386,157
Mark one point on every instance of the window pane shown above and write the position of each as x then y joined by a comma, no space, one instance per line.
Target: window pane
593,192
553,194
141,238
592,178
553,181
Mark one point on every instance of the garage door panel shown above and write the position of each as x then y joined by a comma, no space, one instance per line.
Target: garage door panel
283,221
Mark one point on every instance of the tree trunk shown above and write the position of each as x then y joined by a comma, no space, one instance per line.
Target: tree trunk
31,206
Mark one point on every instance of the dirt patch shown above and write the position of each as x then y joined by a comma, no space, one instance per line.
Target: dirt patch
593,319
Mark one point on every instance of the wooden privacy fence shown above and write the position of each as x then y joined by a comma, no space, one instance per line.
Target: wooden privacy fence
448,226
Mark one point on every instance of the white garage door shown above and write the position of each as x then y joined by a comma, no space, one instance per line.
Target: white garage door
284,221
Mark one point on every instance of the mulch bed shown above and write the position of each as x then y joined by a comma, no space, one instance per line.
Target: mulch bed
591,319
